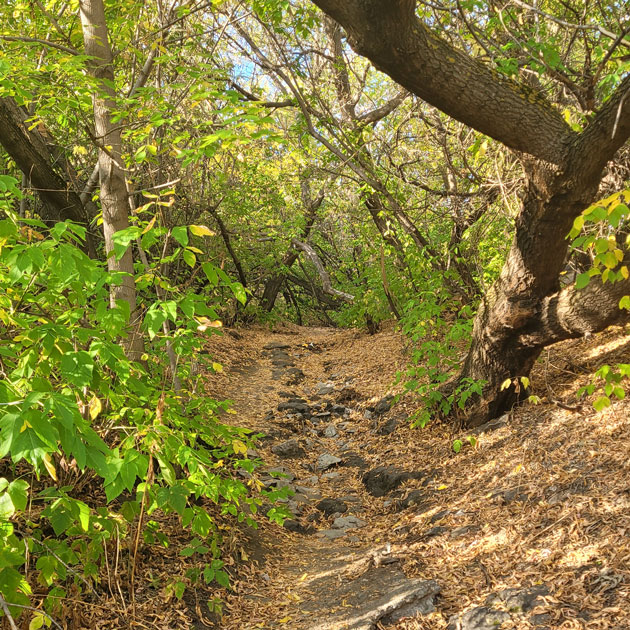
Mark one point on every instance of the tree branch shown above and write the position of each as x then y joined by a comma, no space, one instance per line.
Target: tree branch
572,313
400,44
251,97
42,42
607,132
384,110
311,254
33,158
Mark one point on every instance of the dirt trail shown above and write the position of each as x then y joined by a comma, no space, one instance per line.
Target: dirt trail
391,528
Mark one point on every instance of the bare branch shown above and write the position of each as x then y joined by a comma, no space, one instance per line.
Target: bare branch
311,254
400,44
251,97
384,110
43,42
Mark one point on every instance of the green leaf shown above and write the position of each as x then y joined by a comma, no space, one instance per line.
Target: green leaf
114,489
10,426
601,245
601,403
180,234
17,490
180,588
239,292
582,280
37,621
81,511
47,566
167,471
153,320
77,368
596,214
7,509
211,273
178,496
170,308
457,445
222,578
189,258
60,517
201,230
27,445
123,238
208,574
14,588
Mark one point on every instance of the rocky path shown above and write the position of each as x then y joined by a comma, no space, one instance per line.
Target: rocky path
347,559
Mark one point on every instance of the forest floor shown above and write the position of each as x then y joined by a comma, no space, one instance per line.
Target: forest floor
527,528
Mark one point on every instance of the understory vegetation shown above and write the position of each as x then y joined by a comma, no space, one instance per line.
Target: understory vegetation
172,168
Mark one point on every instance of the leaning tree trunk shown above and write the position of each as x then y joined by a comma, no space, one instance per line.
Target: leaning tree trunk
524,311
275,282
32,156
113,194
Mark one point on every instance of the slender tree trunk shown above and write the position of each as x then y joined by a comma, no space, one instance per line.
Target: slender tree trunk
326,300
273,286
225,235
113,193
324,276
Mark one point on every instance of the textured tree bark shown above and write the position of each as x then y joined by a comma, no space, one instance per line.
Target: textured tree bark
30,152
318,293
524,311
113,193
401,45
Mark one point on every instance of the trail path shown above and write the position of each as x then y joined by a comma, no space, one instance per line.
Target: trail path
390,528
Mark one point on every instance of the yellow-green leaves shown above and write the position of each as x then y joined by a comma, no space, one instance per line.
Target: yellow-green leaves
201,230
606,252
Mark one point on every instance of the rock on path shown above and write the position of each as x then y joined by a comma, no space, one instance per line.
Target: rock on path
326,590
381,595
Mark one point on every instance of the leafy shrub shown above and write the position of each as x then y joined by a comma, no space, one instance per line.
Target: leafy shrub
440,331
94,447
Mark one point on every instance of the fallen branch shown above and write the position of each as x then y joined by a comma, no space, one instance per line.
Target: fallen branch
311,254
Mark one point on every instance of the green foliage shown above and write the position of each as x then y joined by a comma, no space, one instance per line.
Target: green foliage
75,411
441,335
606,253
458,444
595,231
607,383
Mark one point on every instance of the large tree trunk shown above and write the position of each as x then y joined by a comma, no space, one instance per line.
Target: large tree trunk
32,156
113,194
523,312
